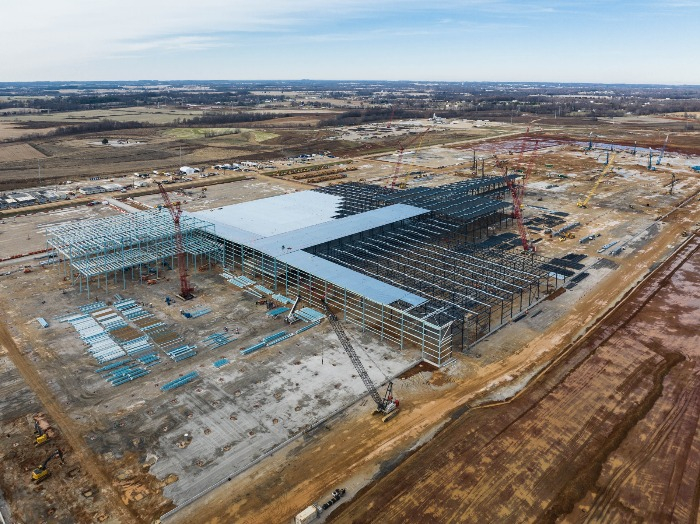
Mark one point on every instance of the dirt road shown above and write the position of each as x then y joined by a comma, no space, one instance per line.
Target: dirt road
79,454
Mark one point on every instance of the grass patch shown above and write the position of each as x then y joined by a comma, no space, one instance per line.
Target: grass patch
235,133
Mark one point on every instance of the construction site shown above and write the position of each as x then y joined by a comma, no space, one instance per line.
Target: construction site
218,354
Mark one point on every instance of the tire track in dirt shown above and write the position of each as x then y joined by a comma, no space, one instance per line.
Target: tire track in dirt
425,498
80,452
601,508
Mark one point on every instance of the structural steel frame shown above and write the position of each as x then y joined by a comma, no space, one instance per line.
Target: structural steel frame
102,248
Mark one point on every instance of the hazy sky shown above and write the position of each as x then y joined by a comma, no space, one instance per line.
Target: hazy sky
508,40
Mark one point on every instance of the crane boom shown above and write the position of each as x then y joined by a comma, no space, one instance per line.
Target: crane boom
584,203
175,212
663,150
402,148
384,405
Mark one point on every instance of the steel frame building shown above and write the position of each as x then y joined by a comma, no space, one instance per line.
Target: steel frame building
407,265
132,243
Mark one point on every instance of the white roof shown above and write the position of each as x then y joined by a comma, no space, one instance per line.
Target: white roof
275,215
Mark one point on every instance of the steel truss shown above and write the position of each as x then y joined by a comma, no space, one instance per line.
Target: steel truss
103,248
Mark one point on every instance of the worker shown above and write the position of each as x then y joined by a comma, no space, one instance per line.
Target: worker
238,331
167,300
226,329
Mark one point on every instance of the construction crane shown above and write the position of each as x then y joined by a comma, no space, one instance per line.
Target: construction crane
186,291
517,209
517,192
388,405
40,473
402,148
404,183
584,203
663,150
42,436
290,319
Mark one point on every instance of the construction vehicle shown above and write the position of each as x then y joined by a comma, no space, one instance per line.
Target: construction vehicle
584,203
565,236
40,473
663,150
41,436
290,319
186,291
388,405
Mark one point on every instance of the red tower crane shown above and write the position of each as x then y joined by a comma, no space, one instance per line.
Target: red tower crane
517,210
175,212
517,192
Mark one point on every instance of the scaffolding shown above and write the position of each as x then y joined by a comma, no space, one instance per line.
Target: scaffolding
141,244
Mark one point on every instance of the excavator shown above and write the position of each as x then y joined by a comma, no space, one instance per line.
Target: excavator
388,405
41,473
42,436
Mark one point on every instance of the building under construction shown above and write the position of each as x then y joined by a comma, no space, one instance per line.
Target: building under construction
424,267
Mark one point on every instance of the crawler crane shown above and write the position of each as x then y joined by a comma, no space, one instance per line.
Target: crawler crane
584,203
186,291
388,406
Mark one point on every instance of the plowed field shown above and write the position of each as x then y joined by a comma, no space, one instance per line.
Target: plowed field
609,433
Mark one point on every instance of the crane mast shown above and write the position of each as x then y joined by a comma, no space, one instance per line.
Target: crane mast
663,150
175,212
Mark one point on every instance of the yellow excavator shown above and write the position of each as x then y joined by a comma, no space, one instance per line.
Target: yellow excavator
42,436
40,473
584,203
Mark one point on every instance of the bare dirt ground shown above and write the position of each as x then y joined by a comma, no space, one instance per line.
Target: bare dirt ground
605,391
609,432
358,448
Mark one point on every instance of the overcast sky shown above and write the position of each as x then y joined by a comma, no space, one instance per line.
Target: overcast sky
464,40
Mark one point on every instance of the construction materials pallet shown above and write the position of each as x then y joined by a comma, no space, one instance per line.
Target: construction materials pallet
216,340
282,299
277,311
264,290
221,362
182,353
197,312
185,379
309,315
